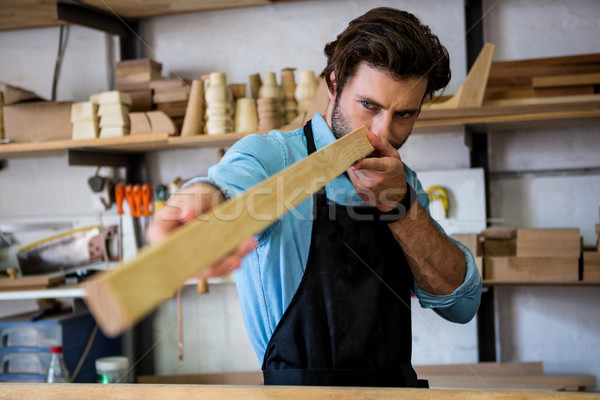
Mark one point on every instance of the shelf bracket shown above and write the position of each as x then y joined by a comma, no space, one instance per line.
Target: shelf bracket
92,17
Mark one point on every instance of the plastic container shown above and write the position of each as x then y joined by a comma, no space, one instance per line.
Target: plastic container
112,369
57,370
29,335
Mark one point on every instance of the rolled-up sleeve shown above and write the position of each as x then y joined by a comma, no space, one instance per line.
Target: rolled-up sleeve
248,162
462,304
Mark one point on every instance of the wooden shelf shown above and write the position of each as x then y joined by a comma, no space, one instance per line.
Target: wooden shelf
490,282
135,143
550,114
25,14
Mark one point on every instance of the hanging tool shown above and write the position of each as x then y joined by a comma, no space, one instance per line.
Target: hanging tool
119,196
146,201
439,193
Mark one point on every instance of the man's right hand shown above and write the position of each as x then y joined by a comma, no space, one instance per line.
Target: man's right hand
183,207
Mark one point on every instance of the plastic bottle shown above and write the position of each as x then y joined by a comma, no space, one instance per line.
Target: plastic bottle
57,370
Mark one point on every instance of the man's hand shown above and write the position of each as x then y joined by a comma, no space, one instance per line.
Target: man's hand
183,207
380,181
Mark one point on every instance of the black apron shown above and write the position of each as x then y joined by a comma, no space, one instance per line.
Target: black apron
349,322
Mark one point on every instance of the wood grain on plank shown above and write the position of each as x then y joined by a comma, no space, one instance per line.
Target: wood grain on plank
62,391
121,297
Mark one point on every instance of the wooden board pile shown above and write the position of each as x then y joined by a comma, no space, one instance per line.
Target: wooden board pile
85,120
532,255
134,77
544,77
171,96
113,111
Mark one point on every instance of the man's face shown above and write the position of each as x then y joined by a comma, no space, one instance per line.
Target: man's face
386,106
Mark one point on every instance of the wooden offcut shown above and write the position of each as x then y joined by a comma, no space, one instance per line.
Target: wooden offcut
121,297
531,269
558,243
566,80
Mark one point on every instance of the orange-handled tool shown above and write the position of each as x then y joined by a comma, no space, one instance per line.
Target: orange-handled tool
130,198
146,199
119,196
137,198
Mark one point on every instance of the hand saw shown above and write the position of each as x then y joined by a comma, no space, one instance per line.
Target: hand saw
69,250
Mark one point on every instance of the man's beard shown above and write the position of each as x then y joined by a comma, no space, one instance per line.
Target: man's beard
340,123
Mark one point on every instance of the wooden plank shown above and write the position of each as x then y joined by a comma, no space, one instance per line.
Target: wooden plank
521,269
62,391
483,368
32,282
507,381
514,108
471,92
121,297
557,243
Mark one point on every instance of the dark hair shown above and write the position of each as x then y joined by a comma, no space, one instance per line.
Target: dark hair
392,40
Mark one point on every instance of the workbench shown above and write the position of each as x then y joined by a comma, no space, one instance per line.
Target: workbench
67,391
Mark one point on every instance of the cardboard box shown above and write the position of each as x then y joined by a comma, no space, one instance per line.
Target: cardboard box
591,266
531,269
558,243
38,121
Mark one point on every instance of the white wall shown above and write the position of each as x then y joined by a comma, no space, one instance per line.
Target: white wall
555,325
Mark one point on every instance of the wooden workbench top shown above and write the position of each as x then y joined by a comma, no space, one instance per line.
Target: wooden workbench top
206,392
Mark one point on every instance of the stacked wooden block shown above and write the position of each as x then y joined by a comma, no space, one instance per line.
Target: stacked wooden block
134,77
113,111
171,96
591,261
84,117
542,255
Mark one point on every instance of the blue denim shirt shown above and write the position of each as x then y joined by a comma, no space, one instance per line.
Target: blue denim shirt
270,275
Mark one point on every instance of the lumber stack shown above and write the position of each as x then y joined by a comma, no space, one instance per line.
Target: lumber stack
544,77
113,111
542,255
134,77
85,120
171,97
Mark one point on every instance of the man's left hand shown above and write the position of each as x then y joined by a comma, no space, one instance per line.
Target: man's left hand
380,181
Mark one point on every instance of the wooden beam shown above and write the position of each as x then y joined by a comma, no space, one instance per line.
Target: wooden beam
472,90
62,391
121,297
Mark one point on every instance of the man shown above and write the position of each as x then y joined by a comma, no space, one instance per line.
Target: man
326,292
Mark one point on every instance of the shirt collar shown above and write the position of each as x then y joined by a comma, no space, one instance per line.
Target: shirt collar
322,133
